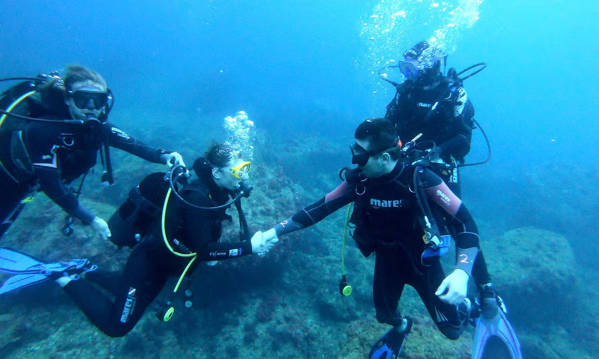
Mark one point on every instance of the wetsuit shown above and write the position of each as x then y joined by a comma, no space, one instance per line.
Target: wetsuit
442,112
151,264
47,156
387,219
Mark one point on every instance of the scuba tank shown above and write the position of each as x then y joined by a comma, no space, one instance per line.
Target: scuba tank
131,221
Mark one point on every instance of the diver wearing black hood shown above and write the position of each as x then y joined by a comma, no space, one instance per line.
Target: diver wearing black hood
174,233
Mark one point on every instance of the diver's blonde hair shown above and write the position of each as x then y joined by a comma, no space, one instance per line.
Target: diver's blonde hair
78,73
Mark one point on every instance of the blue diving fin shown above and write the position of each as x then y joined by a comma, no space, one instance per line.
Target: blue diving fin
28,271
12,261
494,338
391,344
21,281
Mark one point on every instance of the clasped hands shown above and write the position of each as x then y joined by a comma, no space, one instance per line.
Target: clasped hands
262,242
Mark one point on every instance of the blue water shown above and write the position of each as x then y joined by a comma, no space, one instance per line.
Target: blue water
540,84
309,67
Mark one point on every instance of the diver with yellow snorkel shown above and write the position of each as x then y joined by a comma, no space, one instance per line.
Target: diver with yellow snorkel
173,224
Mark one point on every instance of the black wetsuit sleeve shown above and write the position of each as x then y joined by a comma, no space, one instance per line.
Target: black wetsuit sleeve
461,111
393,109
318,210
199,233
457,146
119,139
52,186
466,240
218,251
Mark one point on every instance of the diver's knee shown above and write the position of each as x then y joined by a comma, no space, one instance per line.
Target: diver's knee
451,331
117,332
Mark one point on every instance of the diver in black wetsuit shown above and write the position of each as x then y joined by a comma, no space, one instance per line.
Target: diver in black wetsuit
192,235
433,104
61,144
389,222
437,106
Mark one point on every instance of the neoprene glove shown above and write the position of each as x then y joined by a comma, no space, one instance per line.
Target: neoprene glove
101,227
454,287
262,242
271,236
173,159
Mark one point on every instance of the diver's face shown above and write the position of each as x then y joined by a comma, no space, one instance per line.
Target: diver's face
86,100
231,176
376,164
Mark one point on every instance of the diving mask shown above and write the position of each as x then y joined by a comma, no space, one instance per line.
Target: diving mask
242,170
359,155
409,69
421,58
91,100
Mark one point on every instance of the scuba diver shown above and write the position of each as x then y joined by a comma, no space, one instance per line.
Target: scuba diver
179,222
433,104
437,106
51,129
397,199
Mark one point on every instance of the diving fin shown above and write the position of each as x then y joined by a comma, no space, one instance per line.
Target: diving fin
391,344
21,281
12,261
28,271
494,338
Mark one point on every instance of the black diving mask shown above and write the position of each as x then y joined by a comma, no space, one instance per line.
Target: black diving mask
359,155
91,100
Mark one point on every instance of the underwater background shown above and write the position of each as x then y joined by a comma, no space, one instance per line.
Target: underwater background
306,73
